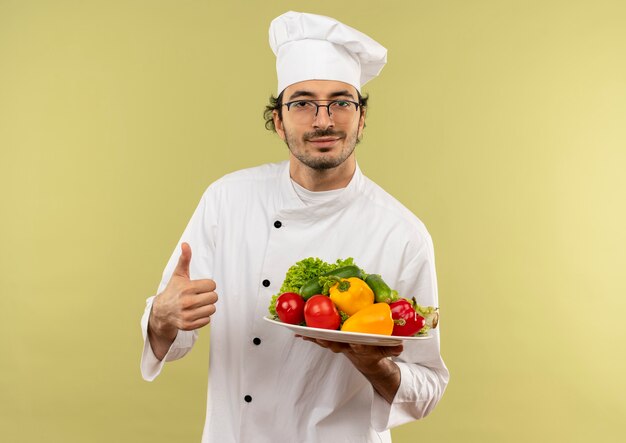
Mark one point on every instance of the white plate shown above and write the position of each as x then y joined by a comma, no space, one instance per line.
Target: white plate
347,337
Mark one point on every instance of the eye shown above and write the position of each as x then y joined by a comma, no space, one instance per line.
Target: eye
302,104
340,104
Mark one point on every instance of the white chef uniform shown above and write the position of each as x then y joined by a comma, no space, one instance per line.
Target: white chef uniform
265,385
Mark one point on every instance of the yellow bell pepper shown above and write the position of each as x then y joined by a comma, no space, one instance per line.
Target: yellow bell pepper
374,319
351,295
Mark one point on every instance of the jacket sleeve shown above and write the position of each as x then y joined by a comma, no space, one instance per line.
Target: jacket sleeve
200,234
424,376
150,365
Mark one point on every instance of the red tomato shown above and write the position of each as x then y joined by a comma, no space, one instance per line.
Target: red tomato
290,308
320,312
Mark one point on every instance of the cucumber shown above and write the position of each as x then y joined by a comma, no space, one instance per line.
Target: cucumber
313,287
382,291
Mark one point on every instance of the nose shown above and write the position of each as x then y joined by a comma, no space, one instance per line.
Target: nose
322,118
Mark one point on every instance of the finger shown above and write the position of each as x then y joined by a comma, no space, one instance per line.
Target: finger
194,301
204,285
366,349
393,351
196,324
198,286
334,346
385,351
337,347
182,268
202,312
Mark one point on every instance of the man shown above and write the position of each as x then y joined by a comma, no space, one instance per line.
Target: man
250,226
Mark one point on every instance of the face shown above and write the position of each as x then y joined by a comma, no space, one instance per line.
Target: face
320,143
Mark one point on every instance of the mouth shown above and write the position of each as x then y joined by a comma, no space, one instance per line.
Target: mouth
324,142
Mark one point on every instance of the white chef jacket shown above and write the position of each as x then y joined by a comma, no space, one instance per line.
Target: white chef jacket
265,385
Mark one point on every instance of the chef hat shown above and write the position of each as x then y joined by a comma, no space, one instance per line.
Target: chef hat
314,47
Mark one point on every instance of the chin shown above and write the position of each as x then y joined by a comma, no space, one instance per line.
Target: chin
321,164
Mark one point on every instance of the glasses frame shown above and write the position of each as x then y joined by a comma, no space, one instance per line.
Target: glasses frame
318,105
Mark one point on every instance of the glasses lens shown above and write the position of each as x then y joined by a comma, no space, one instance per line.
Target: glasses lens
341,111
303,110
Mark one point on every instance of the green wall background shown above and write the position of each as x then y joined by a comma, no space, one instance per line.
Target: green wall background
501,124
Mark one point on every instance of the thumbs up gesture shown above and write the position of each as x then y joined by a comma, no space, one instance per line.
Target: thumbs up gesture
184,304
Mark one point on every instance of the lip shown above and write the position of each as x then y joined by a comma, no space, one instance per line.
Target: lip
324,142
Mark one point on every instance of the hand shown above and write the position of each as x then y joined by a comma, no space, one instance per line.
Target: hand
372,362
184,304
366,358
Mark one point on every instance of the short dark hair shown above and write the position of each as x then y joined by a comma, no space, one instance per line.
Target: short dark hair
276,104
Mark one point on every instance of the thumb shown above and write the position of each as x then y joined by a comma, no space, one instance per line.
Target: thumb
182,268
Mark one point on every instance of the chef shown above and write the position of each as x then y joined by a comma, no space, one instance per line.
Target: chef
265,384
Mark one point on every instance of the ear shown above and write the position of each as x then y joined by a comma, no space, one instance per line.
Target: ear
278,124
361,122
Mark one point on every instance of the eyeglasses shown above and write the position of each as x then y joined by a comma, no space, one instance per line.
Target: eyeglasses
305,111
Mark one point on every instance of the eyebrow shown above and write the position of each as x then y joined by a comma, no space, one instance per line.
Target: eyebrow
304,93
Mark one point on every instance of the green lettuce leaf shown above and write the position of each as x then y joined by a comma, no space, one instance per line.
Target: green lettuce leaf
301,272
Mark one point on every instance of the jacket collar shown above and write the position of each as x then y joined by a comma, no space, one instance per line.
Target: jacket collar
294,208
